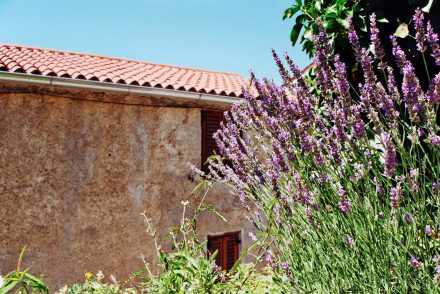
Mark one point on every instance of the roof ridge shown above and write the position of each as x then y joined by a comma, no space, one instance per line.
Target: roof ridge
116,58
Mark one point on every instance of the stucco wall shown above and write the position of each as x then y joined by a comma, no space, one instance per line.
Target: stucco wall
75,175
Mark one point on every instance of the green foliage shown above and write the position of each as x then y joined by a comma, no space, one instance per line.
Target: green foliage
247,280
96,285
19,281
334,14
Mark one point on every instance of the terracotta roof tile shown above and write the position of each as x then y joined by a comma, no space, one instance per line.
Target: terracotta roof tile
38,61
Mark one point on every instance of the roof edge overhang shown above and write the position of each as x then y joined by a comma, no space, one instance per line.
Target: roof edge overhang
118,88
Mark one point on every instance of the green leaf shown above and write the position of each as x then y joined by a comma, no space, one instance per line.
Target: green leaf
294,34
8,286
343,22
20,258
427,8
333,9
318,5
289,12
402,31
383,20
363,24
36,281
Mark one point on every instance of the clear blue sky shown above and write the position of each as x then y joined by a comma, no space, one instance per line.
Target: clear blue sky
225,35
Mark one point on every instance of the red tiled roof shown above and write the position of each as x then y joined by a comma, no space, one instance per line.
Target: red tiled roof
38,61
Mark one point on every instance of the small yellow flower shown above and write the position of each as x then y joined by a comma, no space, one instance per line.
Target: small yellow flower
88,275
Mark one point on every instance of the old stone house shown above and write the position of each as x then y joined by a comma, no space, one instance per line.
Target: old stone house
89,142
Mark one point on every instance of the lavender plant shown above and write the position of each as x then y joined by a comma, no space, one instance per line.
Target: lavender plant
345,181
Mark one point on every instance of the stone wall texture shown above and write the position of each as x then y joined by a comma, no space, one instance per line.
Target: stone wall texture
76,172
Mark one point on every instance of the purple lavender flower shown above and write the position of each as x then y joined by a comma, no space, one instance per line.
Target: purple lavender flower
414,185
392,86
285,266
435,140
375,40
436,259
358,124
408,218
395,194
252,236
354,40
218,270
390,155
435,187
324,73
411,91
312,221
316,207
370,86
323,37
270,259
342,84
398,53
433,42
269,256
437,269
349,241
420,30
344,203
276,211
428,230
433,93
379,188
415,263
283,72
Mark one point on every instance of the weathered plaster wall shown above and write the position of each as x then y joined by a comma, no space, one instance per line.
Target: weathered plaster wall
76,174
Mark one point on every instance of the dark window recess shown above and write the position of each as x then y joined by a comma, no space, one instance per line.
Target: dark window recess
210,124
227,246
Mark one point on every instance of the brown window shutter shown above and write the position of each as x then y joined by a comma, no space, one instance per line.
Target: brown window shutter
231,252
227,246
210,124
213,245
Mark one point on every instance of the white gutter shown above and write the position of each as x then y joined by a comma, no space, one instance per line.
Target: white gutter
120,88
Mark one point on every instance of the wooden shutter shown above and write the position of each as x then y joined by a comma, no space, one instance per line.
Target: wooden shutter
231,251
210,124
214,245
227,246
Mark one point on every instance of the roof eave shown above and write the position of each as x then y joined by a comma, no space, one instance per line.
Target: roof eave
120,88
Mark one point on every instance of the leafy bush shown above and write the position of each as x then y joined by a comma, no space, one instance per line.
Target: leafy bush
345,181
189,269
